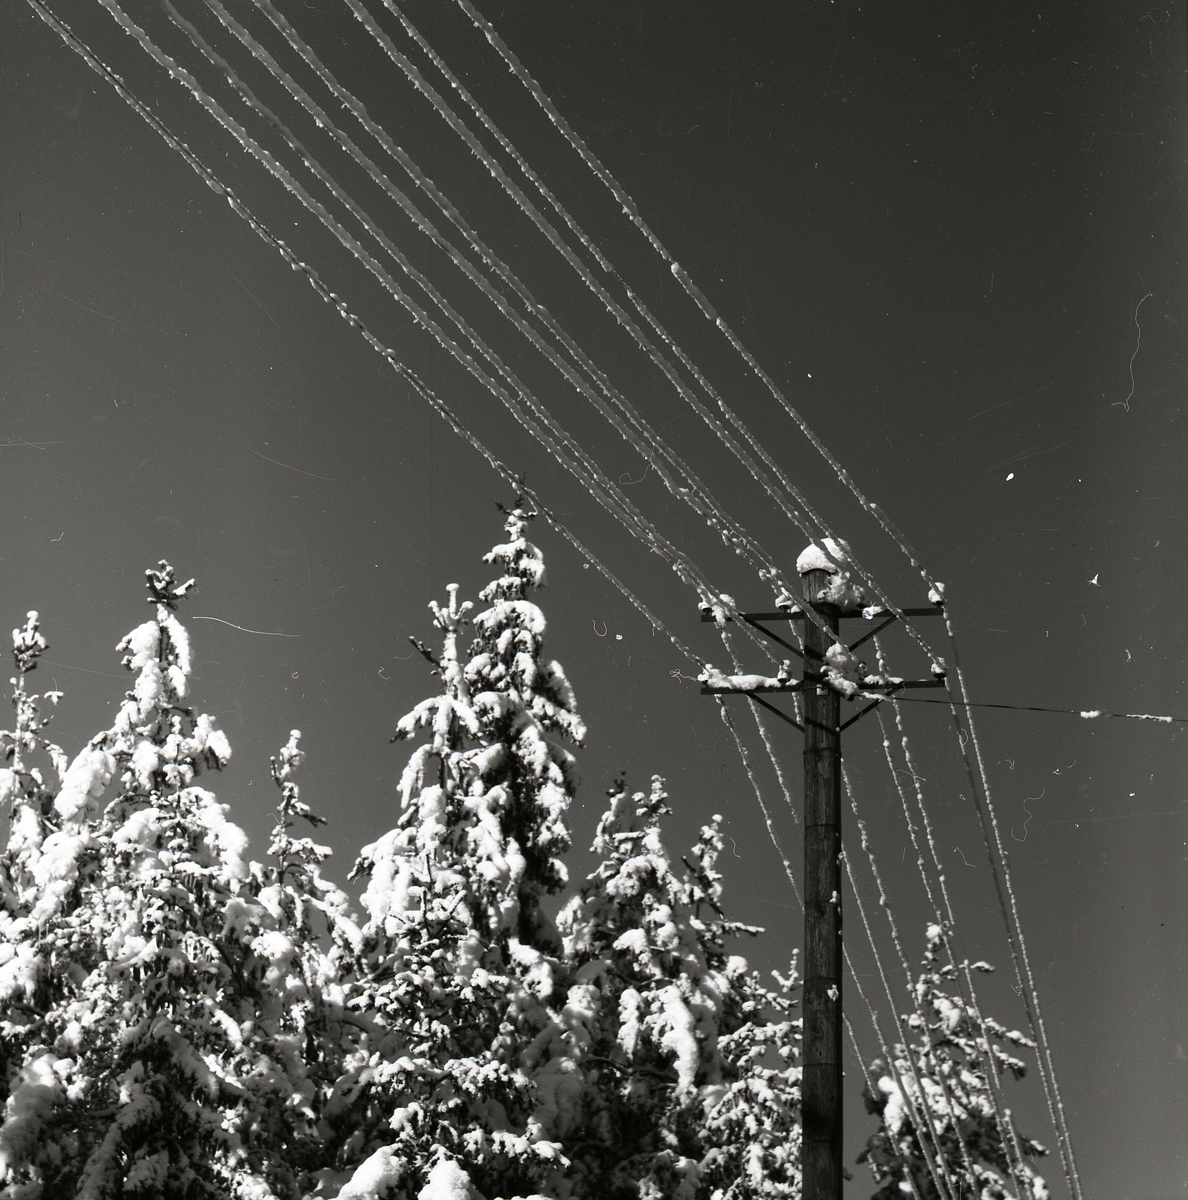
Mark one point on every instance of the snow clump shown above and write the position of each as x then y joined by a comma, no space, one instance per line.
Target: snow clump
833,557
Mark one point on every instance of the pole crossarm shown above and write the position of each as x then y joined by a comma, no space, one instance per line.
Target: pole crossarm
798,685
795,685
797,614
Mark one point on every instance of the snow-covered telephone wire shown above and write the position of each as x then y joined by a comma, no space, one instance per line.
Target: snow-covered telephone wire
944,1185
540,425
697,494
1000,872
624,320
854,977
631,210
1002,1118
401,369
946,920
922,1123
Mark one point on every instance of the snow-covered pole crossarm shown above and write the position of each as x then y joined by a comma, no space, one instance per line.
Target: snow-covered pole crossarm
840,669
714,681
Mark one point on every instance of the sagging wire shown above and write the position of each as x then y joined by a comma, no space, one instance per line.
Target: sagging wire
940,1174
1006,1128
756,787
1009,909
888,1057
885,905
745,755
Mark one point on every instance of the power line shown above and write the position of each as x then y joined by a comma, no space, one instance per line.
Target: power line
1087,714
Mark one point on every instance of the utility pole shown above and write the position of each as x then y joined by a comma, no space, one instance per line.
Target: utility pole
821,1056
821,1050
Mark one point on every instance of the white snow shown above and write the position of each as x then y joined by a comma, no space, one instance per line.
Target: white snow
681,1037
374,1176
842,671
813,558
229,841
630,1003
20,966
26,1111
712,677
55,870
833,557
447,1181
85,780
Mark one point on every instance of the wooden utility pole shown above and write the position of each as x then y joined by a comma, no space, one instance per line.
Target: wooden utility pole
821,1062
821,1055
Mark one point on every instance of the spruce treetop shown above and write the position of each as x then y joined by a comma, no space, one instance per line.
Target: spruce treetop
505,664
132,956
156,742
936,1099
484,797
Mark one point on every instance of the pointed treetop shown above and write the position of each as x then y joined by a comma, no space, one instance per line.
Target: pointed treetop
290,850
28,645
163,586
522,562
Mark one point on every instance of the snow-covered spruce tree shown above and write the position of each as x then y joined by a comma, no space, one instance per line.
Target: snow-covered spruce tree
29,799
692,1082
442,1095
132,1075
292,927
982,1155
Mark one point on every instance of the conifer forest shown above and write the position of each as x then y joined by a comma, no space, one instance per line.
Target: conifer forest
184,1020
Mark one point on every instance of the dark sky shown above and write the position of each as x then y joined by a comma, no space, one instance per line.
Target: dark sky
954,235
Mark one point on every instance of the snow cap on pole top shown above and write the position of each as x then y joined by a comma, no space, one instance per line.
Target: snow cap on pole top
833,557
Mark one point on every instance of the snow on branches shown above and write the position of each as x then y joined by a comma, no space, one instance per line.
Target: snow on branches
693,1082
158,1030
179,1021
939,1116
459,964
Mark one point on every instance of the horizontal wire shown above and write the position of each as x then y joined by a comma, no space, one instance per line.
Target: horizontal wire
1087,714
1000,871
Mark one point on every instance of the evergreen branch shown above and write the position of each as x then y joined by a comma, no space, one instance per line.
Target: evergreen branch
425,652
